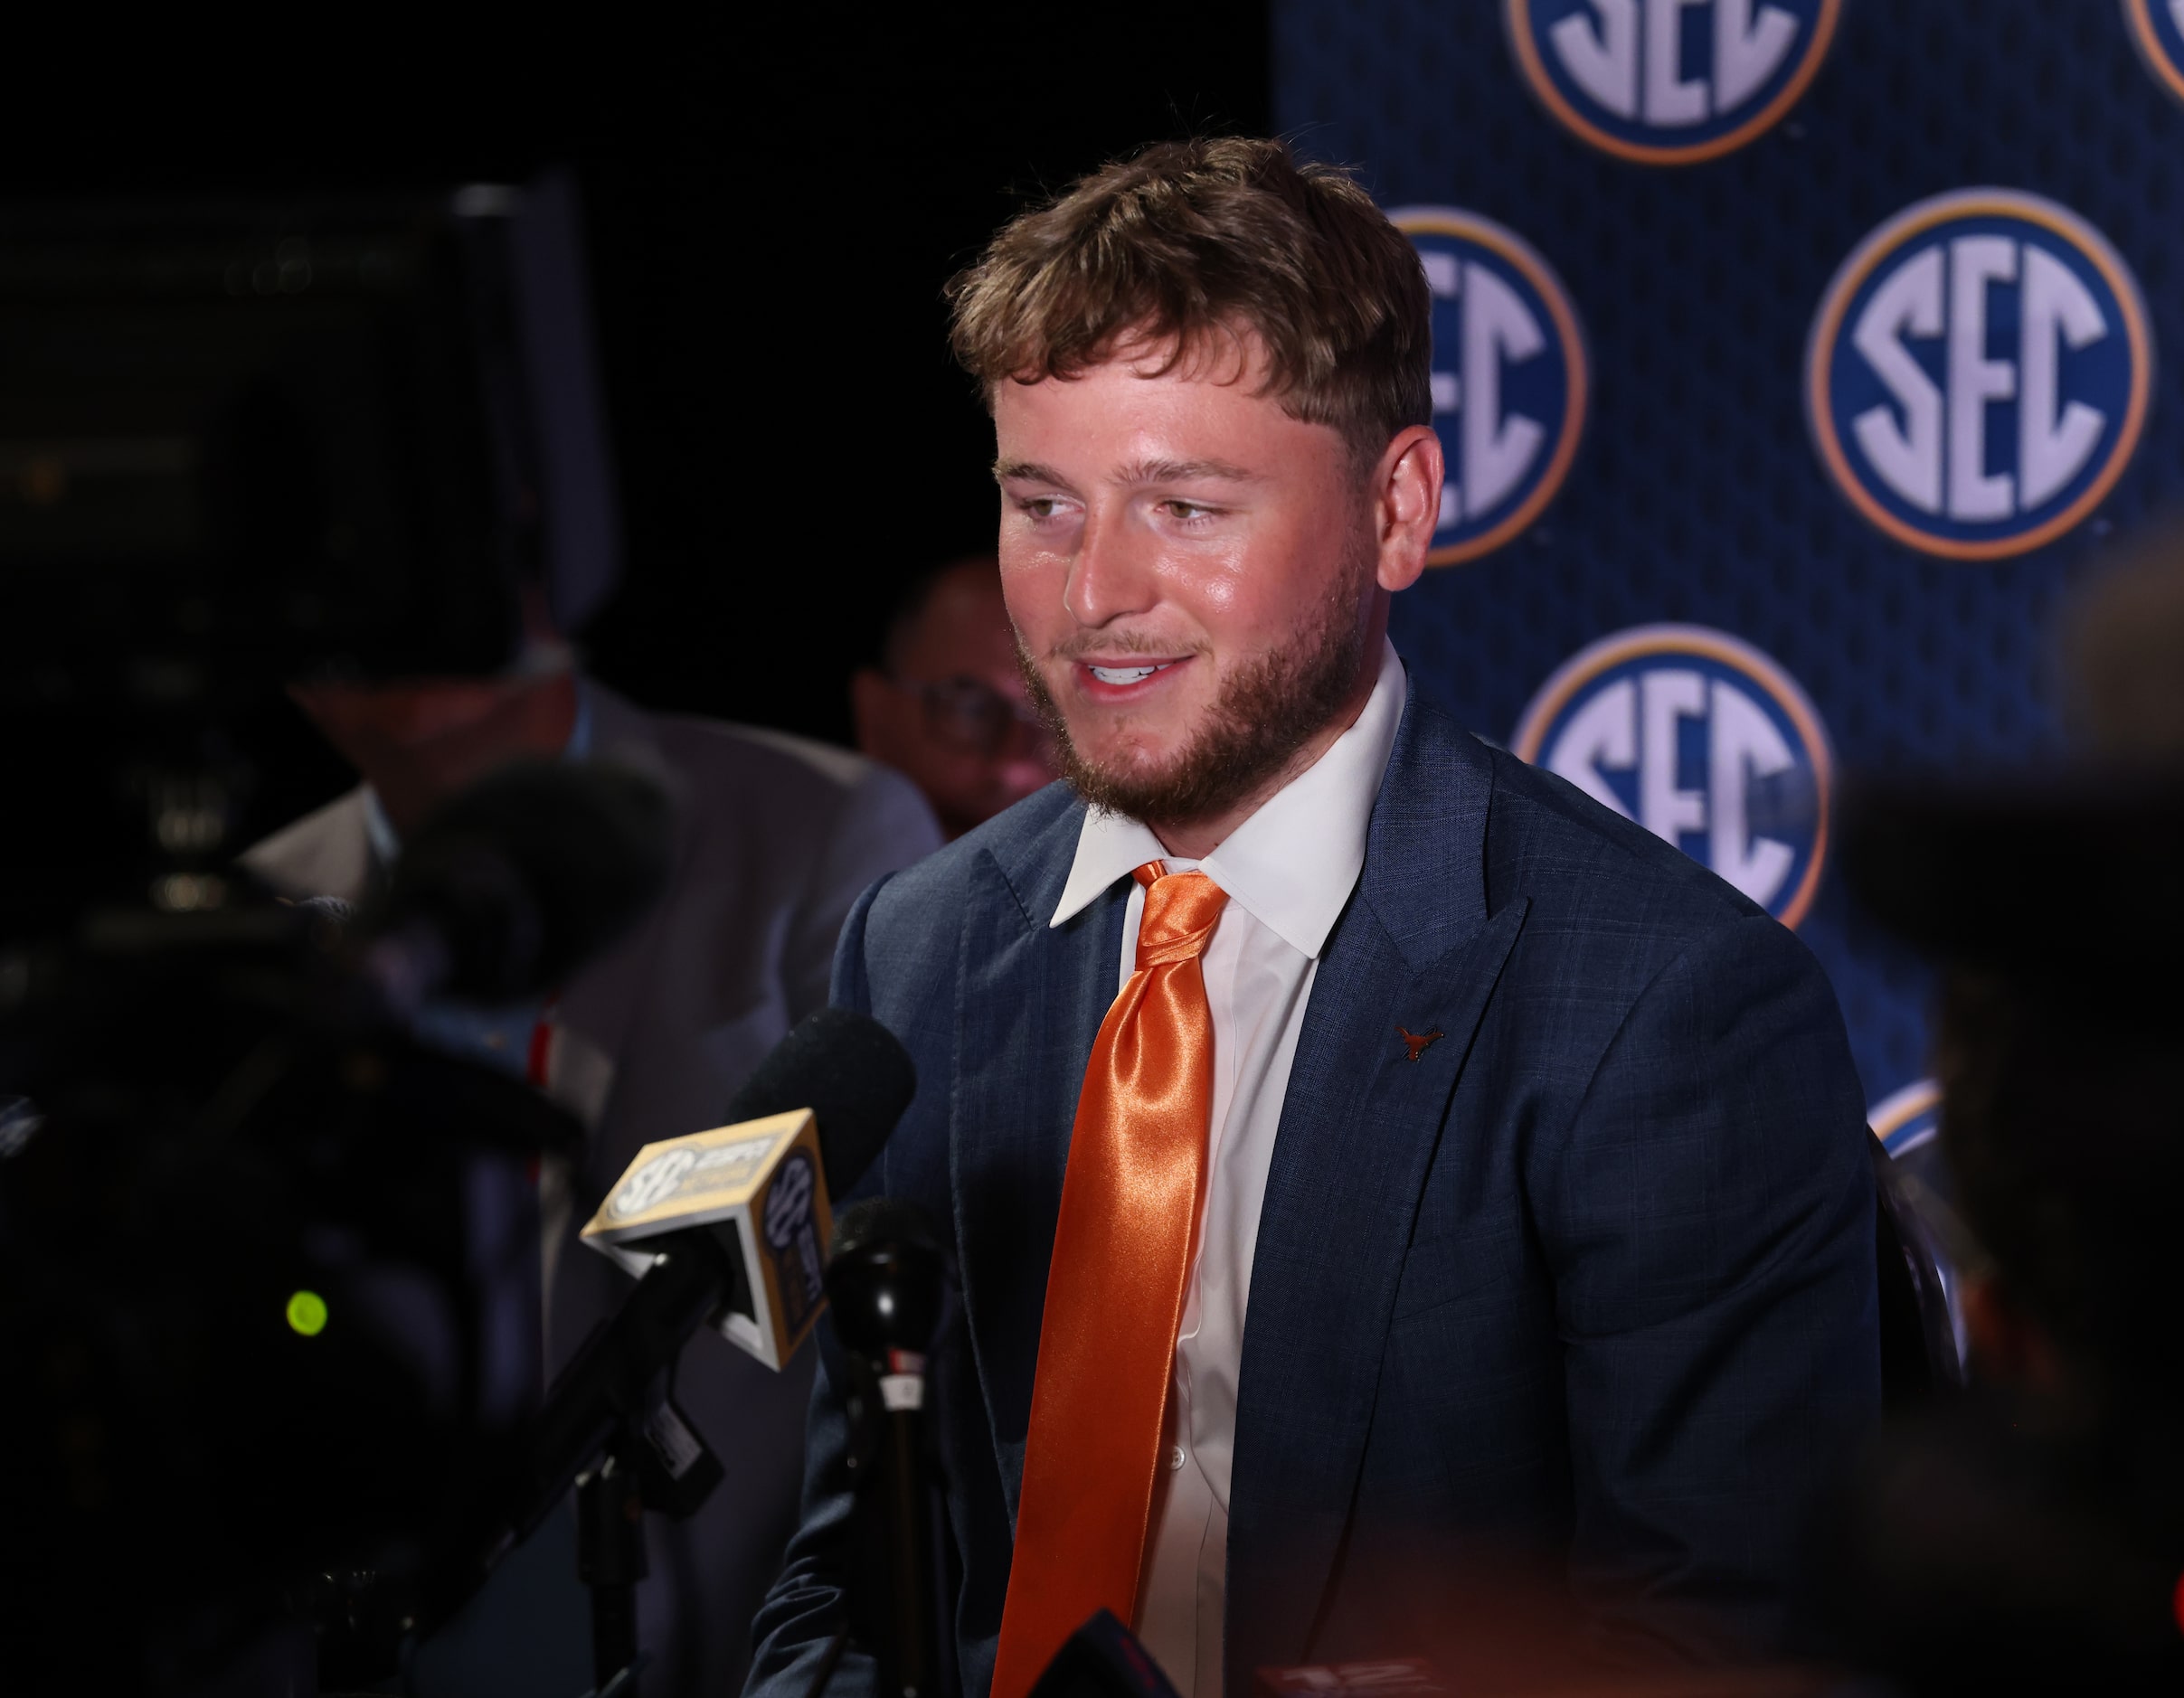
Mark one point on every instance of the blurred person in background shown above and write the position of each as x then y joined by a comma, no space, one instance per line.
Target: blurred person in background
947,705
776,837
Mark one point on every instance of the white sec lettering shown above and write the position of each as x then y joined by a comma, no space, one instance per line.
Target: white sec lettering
1974,379
1906,458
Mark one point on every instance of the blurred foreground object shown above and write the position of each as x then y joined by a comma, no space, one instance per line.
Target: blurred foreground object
774,837
947,705
247,442
266,1320
2123,656
2030,1537
354,450
265,1306
2075,869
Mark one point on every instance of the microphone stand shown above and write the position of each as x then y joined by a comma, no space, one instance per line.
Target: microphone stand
609,1426
611,1560
886,1284
910,1525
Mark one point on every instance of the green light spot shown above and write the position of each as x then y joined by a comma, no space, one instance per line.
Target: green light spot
307,1313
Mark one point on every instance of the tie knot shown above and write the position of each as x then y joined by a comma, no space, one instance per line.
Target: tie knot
1181,910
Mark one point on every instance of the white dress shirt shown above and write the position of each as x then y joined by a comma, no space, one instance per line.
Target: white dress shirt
1288,870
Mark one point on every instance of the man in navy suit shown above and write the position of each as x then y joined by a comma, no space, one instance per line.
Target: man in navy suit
1533,1230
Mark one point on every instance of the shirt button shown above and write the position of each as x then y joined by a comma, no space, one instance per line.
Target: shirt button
1174,1458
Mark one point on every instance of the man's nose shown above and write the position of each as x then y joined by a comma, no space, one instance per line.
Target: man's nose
1114,573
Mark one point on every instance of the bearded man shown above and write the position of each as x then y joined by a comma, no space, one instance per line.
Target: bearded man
1393,1196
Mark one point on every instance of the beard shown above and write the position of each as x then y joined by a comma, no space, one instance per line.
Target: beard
1265,709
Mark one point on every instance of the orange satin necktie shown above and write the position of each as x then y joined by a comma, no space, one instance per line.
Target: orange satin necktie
1114,1290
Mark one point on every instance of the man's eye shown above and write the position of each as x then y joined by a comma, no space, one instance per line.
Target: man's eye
1039,506
1187,510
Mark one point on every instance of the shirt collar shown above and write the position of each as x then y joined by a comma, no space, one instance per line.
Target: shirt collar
1293,864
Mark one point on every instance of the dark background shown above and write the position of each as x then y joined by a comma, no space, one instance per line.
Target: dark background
773,209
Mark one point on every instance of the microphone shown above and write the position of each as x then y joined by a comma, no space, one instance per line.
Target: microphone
757,1192
842,1070
517,882
751,1197
1386,1678
887,1283
835,1086
1104,1659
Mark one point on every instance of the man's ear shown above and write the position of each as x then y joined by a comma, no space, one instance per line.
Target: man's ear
1406,504
870,700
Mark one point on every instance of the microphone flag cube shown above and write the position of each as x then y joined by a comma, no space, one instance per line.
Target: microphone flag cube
760,1186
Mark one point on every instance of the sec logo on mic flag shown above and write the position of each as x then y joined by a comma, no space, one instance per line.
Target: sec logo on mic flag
1510,378
2157,31
1703,741
792,1233
1669,82
1978,373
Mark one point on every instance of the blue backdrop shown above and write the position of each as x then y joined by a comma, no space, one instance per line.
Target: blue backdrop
1820,412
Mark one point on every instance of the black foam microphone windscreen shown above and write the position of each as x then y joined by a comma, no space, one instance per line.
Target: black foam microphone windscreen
530,872
850,1071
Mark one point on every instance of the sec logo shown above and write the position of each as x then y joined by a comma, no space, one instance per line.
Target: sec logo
1704,742
1669,82
1509,377
789,1200
1978,373
2157,30
653,1183
1909,1119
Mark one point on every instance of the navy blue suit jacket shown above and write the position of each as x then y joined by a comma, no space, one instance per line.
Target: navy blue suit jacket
1591,1278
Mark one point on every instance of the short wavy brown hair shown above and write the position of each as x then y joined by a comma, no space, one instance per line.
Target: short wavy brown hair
1189,240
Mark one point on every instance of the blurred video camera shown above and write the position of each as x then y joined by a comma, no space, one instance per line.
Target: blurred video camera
246,443
265,1310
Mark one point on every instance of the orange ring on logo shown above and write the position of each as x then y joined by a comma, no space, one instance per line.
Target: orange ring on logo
1885,240
2138,18
1899,1109
1589,662
1449,221
1534,67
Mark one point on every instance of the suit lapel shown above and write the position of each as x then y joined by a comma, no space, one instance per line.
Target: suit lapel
1029,1006
1415,948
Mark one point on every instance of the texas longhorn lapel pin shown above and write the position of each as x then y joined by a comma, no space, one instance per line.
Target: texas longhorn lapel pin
1416,1042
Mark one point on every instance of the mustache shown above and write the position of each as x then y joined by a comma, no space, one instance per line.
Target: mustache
1114,645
